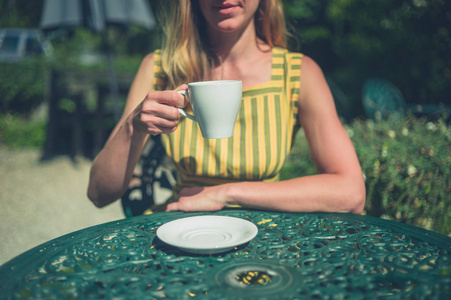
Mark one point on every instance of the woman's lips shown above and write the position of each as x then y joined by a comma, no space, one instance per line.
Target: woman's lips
226,9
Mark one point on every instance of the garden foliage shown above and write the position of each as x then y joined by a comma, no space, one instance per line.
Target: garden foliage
22,86
406,163
16,132
404,41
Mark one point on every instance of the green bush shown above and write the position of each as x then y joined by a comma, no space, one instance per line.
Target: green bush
83,51
16,132
22,86
407,168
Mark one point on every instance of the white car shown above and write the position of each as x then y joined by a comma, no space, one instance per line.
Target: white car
19,43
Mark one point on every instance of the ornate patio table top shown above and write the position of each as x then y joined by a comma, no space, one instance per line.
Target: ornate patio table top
332,256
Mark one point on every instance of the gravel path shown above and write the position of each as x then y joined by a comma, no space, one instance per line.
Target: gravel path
40,201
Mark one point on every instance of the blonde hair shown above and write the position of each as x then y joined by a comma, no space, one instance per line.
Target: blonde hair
186,53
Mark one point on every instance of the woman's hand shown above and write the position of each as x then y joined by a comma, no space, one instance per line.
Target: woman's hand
200,199
158,113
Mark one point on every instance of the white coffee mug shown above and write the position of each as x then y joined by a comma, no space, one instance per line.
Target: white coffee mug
215,105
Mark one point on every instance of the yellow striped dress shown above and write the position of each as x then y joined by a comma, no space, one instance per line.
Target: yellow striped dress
262,138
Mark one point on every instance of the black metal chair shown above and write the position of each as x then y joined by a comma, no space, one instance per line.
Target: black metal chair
152,180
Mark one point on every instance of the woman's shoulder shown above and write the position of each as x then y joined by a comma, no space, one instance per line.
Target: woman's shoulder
303,61
287,53
310,66
147,68
293,60
147,62
151,62
152,57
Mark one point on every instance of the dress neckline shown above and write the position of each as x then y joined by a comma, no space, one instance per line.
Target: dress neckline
274,50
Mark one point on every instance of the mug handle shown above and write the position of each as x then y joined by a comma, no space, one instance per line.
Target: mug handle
181,111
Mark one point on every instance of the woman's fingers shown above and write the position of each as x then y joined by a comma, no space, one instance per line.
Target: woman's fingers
183,87
158,112
171,98
158,109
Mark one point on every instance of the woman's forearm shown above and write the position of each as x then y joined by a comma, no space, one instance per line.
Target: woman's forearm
113,167
323,192
317,193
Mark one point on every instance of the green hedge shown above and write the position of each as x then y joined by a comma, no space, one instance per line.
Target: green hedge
16,132
407,168
22,86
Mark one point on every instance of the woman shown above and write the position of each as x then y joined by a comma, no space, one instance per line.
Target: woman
242,40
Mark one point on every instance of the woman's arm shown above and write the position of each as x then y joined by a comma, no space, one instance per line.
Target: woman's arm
145,113
339,186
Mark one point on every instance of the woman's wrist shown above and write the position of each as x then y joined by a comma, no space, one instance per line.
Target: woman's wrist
234,193
135,129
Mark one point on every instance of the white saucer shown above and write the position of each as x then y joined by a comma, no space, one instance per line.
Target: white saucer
207,234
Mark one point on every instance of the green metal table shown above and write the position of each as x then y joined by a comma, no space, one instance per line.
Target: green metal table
318,255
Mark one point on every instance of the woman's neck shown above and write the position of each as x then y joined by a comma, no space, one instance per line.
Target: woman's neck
242,56
238,45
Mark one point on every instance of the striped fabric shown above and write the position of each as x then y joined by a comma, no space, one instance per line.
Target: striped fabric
262,138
